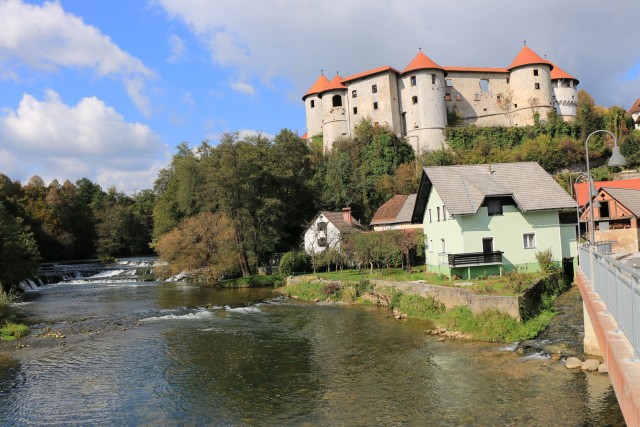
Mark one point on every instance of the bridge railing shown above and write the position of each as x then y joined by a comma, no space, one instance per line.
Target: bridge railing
618,285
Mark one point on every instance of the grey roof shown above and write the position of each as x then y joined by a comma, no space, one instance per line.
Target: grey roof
463,188
630,198
337,219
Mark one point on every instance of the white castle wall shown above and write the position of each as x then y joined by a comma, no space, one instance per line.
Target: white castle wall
362,106
566,98
314,114
334,124
527,97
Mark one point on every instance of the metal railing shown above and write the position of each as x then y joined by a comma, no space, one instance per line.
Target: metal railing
474,258
619,288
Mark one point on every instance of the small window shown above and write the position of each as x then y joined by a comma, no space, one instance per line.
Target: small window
458,97
498,98
494,207
433,79
414,99
515,105
570,83
430,216
313,103
484,85
604,210
443,245
444,214
322,226
375,105
322,242
535,72
413,80
537,85
529,240
354,93
447,97
355,110
449,82
374,89
507,80
336,101
375,124
438,213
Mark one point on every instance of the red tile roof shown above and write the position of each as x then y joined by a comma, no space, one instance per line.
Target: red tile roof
335,83
582,191
304,137
558,73
635,108
390,209
384,68
527,57
476,69
420,62
317,87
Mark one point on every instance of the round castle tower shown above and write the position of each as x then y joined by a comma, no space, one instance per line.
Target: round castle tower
334,112
313,106
530,87
565,93
423,110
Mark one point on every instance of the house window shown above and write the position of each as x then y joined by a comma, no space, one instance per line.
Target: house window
430,245
322,242
413,80
430,216
443,245
494,207
414,99
336,101
529,240
604,210
354,93
537,86
438,213
321,226
355,110
374,89
447,97
313,103
444,214
433,79
375,105
535,72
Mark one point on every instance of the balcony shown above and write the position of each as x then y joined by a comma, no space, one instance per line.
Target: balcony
474,258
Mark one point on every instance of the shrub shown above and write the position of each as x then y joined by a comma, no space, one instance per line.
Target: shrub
292,262
12,331
545,259
331,288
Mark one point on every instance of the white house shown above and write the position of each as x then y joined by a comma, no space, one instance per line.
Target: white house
327,230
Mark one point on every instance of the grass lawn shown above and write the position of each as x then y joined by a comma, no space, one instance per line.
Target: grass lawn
257,281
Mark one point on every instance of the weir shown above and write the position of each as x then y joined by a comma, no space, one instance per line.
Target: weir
611,294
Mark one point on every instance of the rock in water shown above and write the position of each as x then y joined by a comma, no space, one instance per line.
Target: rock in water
602,368
573,363
590,365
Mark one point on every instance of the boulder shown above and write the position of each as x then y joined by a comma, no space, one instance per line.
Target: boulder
573,363
602,368
590,365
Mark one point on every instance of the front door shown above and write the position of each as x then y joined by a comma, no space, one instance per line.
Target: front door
487,245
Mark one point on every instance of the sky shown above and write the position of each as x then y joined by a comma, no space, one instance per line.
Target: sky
107,89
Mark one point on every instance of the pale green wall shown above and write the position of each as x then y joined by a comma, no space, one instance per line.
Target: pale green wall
449,229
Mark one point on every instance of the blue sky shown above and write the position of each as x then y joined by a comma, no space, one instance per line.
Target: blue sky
107,89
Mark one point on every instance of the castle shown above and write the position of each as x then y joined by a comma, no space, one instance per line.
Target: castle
419,101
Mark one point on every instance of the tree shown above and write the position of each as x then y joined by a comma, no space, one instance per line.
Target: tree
204,243
19,254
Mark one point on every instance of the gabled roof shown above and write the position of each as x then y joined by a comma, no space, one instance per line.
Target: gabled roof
317,87
397,209
334,84
558,73
337,219
463,188
383,69
527,57
629,198
419,62
582,190
635,108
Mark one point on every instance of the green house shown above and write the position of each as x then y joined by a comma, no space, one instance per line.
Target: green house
486,219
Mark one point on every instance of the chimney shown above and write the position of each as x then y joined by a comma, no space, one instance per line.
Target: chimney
346,215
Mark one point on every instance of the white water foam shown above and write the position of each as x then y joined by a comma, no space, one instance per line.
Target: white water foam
510,347
243,310
535,356
201,314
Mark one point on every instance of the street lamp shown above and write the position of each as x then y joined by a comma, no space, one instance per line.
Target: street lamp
617,159
582,176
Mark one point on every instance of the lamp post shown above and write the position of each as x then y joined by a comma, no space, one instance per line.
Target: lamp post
616,159
584,200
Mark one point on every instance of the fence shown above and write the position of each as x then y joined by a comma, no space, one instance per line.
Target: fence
619,288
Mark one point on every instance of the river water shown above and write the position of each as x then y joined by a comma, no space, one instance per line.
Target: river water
106,352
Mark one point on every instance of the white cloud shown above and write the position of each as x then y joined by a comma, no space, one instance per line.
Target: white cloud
177,48
46,38
286,39
90,139
242,87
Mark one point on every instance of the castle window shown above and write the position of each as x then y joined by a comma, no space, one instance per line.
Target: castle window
458,97
375,124
413,80
535,72
374,89
570,83
498,98
447,97
313,103
537,85
336,101
449,82
414,99
355,110
515,105
484,85
375,105
433,79
354,93
507,80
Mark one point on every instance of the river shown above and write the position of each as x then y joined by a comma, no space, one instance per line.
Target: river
121,352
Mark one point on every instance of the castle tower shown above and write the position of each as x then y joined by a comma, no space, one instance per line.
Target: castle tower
334,108
313,106
530,87
423,112
565,94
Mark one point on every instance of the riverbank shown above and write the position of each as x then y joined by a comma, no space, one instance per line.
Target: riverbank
458,321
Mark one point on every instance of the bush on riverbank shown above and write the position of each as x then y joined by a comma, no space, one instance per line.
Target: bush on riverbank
9,329
257,281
